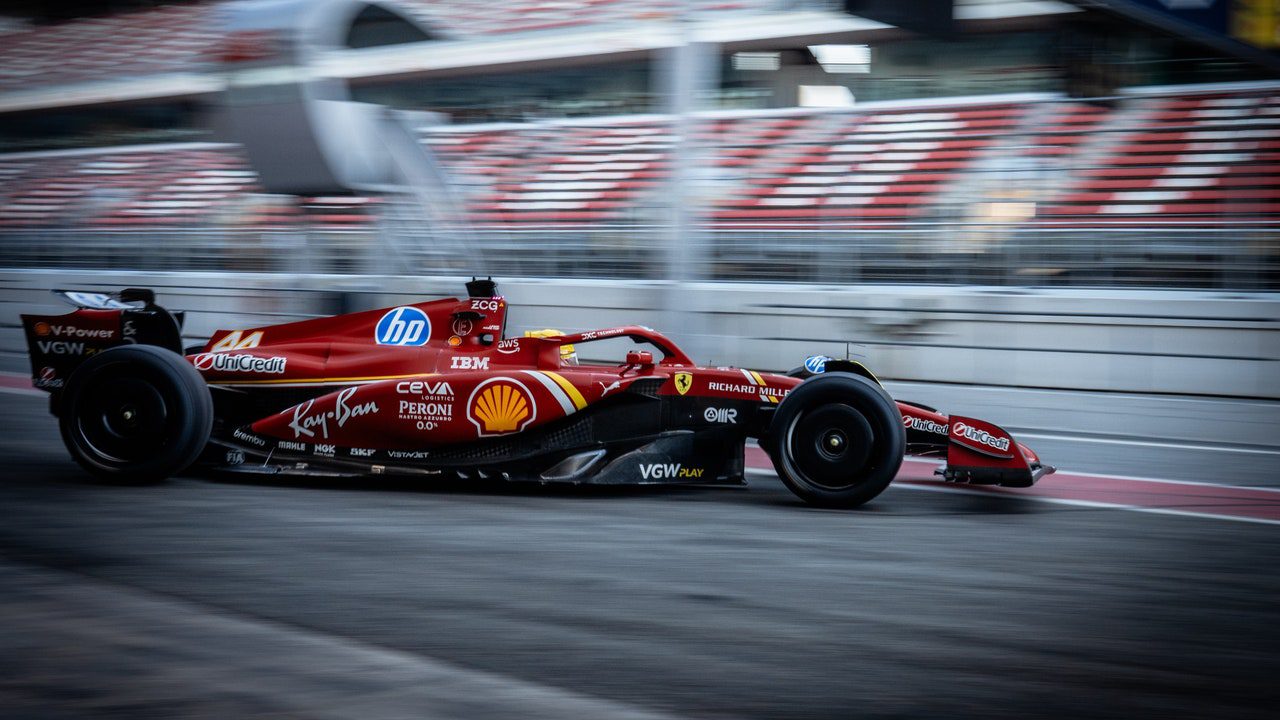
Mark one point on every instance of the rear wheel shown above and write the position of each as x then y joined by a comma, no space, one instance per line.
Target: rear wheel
135,413
837,440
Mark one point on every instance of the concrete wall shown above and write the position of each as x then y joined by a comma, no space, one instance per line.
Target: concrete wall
1111,340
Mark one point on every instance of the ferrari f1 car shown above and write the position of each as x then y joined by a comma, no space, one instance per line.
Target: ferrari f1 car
435,389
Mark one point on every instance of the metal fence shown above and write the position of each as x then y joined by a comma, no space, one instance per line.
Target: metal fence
1242,257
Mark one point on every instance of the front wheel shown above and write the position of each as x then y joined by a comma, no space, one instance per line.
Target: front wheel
135,413
837,440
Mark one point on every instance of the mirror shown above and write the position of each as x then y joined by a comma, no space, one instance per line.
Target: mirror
640,357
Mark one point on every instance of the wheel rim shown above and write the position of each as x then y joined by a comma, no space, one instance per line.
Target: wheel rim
830,446
123,419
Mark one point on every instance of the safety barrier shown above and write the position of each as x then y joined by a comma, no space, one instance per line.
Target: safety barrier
1232,256
1104,340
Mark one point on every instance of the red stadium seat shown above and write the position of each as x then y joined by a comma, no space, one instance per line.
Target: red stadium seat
186,37
1155,158
1183,157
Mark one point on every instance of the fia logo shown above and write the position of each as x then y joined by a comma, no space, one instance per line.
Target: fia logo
469,363
404,326
683,382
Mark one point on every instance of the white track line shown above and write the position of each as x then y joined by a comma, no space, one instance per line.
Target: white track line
1089,504
1198,483
957,490
1145,443
910,386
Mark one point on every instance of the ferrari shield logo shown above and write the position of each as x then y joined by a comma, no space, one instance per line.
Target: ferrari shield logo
684,381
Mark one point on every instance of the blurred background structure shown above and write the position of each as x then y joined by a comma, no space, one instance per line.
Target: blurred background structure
1062,215
1037,146
1022,143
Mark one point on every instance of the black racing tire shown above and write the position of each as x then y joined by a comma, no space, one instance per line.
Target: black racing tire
837,440
135,414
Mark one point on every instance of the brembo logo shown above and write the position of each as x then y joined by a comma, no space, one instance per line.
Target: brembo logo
249,438
982,437
407,326
915,423
224,362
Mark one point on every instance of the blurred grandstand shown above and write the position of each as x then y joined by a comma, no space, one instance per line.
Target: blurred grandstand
1015,143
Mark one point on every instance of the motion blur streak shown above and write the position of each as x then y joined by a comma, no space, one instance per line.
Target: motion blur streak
1171,497
225,599
52,609
1059,215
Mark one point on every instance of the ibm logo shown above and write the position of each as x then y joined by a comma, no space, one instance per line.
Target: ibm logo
403,326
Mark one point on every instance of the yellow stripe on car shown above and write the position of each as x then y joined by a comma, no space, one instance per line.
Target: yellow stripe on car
579,402
319,381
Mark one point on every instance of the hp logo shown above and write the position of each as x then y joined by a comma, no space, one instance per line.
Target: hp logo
816,363
403,326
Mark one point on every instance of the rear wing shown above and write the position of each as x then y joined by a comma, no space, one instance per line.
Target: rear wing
127,299
57,344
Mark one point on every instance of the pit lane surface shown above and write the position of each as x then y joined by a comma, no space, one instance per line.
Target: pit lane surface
203,598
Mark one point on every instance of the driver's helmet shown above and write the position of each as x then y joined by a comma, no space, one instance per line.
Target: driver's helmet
568,355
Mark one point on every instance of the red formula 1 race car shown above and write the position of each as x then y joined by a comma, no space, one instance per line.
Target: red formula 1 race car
434,389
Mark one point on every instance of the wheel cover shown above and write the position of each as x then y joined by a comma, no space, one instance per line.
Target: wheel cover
829,447
122,418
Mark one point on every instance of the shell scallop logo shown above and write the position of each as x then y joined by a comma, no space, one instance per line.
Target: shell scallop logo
501,405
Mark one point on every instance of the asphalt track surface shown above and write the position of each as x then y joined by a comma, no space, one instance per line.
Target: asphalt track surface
208,598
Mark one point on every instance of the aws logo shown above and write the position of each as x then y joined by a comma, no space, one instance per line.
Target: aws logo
501,405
